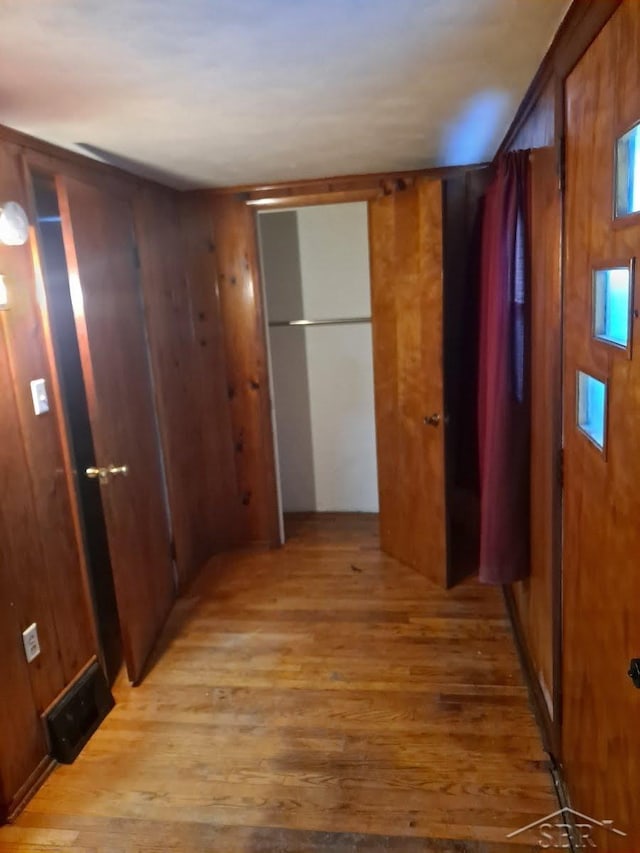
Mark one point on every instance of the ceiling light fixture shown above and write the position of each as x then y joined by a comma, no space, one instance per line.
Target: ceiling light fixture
14,224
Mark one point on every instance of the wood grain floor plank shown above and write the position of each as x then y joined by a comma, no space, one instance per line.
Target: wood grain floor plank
318,698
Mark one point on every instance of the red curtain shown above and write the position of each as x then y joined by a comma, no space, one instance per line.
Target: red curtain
503,380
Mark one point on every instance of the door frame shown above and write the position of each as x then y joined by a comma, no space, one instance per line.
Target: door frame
33,160
313,197
269,363
312,200
92,533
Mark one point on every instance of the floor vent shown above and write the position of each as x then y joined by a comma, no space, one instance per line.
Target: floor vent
78,714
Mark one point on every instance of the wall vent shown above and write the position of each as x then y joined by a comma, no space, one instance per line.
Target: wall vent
72,721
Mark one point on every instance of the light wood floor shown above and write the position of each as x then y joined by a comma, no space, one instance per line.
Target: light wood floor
313,699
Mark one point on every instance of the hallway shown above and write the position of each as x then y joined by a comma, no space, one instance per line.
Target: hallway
318,698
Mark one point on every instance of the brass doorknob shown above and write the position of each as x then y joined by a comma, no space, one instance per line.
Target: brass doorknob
432,420
114,470
105,474
101,474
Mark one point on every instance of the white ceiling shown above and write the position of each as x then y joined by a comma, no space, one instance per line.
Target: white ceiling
224,92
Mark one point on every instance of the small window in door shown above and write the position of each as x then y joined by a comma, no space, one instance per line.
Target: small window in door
627,177
592,408
612,305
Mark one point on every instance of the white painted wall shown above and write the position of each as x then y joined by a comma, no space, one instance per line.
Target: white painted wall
340,366
323,375
334,261
288,351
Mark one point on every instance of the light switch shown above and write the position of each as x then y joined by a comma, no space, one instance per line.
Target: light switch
39,395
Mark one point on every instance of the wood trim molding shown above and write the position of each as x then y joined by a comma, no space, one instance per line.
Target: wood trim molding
361,187
549,729
581,24
278,203
26,792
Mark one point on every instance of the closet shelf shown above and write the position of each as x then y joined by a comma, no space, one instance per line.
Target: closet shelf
343,321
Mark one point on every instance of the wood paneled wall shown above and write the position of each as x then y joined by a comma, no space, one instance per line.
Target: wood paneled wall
243,320
28,347
601,543
41,568
539,126
178,278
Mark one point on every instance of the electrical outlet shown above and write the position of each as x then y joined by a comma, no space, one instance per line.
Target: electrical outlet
31,642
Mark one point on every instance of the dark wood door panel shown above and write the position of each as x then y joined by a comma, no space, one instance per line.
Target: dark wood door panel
99,244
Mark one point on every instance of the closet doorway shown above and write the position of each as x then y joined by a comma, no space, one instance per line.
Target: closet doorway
315,271
358,297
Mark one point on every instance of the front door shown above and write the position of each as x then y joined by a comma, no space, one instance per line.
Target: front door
99,246
601,548
405,238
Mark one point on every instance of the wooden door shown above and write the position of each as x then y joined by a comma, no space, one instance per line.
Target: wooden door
601,550
405,238
99,245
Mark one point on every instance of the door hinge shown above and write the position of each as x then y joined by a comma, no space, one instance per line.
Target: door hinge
560,467
561,164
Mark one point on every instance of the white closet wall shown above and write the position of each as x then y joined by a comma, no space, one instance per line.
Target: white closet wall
334,261
288,352
342,418
316,266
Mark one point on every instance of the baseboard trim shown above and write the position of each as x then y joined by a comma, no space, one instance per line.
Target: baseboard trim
536,696
548,731
33,783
